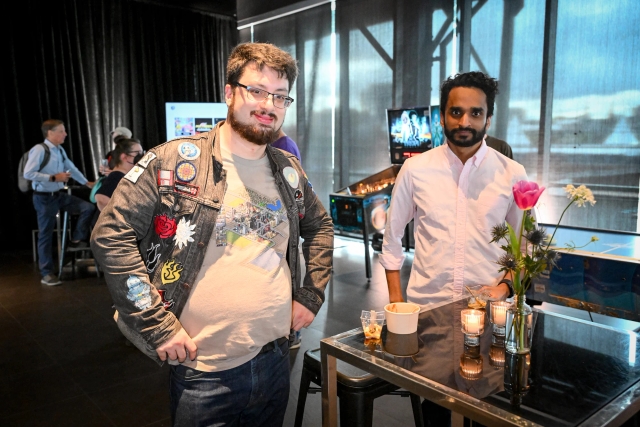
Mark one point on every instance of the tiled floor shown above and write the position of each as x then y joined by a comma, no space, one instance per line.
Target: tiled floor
64,362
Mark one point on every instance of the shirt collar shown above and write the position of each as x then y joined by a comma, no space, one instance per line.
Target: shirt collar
49,143
476,159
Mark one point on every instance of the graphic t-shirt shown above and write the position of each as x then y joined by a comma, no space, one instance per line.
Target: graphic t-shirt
241,299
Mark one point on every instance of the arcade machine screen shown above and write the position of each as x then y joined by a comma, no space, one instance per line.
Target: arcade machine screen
437,133
409,132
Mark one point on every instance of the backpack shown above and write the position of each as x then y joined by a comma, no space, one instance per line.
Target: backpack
24,184
94,190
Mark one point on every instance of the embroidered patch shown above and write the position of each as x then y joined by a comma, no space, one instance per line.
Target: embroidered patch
184,233
167,304
185,171
146,159
170,272
275,206
192,190
188,151
152,258
134,174
139,292
165,177
298,194
164,225
291,176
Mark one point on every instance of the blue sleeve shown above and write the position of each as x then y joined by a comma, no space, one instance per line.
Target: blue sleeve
36,154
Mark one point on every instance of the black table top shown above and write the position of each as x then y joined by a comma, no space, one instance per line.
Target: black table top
575,368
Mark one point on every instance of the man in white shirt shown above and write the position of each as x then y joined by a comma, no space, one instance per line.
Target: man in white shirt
455,193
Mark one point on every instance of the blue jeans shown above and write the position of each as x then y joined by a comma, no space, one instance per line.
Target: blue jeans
47,206
254,394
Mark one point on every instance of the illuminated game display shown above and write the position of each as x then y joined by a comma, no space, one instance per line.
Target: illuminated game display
190,118
437,133
409,132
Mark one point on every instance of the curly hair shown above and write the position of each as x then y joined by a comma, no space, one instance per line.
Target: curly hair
476,79
262,54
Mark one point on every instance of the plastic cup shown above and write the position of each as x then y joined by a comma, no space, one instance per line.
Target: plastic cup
402,317
372,322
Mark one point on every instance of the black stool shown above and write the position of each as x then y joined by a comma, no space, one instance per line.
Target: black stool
356,390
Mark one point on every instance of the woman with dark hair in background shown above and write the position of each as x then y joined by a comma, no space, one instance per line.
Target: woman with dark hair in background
126,154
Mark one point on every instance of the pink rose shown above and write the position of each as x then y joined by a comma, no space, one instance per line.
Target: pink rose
526,194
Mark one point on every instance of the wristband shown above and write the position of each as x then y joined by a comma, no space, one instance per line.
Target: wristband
509,284
52,178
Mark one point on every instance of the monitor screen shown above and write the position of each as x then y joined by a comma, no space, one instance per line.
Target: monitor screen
409,132
190,118
437,133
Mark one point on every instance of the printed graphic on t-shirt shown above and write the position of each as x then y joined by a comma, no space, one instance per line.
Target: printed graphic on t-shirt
249,218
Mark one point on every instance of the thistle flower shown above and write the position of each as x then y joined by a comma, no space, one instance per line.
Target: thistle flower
552,257
499,232
537,236
508,261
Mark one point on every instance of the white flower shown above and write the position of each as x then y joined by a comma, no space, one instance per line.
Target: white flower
580,195
184,233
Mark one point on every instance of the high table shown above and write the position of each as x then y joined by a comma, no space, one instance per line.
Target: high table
577,374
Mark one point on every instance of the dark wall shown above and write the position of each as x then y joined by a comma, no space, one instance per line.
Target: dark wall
97,65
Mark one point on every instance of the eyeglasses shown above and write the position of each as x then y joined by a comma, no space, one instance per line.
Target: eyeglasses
135,153
260,95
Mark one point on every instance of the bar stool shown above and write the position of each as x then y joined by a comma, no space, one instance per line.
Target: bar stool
73,252
356,389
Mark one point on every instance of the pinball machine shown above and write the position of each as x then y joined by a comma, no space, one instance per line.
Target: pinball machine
361,208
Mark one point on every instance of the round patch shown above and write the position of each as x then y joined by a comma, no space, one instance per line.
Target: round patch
188,151
298,194
291,176
185,172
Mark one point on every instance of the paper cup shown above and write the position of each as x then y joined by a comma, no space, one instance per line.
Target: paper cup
402,317
401,344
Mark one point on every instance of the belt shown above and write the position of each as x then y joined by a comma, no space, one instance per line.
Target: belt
46,193
270,345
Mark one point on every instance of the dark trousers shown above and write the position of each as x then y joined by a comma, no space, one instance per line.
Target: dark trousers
47,206
255,394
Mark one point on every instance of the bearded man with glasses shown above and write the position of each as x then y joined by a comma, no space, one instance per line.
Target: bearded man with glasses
200,251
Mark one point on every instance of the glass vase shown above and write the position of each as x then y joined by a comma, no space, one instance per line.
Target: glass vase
519,326
516,376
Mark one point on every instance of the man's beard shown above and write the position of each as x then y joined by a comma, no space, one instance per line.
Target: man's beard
258,134
476,136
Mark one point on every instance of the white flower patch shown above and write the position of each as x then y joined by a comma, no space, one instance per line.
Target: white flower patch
184,232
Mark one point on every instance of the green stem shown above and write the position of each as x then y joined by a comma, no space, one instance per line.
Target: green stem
558,224
521,323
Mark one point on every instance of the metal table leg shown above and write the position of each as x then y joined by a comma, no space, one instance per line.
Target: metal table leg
62,240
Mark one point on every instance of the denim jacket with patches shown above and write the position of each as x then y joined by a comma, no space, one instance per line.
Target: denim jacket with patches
135,236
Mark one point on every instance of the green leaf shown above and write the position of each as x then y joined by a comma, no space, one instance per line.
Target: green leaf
514,242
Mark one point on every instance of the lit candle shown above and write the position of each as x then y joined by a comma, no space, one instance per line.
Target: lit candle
473,324
499,312
472,321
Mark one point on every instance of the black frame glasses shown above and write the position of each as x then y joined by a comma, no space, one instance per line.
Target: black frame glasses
259,95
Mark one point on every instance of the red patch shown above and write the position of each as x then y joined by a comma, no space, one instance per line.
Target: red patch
181,187
165,227
166,304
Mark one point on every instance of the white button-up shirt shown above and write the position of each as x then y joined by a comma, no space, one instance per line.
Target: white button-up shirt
454,207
